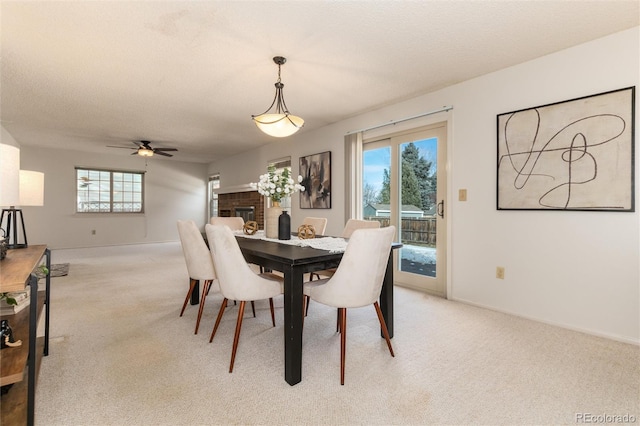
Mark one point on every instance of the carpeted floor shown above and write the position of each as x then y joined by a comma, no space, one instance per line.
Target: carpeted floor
121,355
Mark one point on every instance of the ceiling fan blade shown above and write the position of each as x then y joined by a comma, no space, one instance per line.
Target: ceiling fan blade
124,147
164,149
162,153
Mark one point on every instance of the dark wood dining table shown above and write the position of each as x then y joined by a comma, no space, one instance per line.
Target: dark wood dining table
295,261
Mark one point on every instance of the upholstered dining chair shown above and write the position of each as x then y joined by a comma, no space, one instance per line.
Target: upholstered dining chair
319,224
357,281
235,223
199,263
237,280
349,227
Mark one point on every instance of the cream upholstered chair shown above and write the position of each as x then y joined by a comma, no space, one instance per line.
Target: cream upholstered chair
351,225
319,224
199,263
235,223
237,280
357,281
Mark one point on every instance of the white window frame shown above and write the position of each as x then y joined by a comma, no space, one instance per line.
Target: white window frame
281,163
212,187
110,192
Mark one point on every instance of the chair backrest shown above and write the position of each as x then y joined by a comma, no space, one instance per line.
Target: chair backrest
353,224
358,280
196,253
234,223
319,224
236,278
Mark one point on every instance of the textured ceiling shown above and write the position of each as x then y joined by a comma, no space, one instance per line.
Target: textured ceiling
189,74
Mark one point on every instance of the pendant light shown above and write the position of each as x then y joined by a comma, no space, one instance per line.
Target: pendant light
278,123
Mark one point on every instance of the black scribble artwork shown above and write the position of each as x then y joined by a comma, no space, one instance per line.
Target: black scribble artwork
575,155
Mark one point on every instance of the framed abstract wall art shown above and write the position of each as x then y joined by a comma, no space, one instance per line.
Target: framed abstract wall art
316,178
573,155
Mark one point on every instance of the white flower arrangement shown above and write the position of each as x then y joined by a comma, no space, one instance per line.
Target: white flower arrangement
278,184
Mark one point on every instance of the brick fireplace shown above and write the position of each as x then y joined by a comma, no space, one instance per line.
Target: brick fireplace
242,204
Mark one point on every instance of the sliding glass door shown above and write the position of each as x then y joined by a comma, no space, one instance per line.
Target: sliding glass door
404,184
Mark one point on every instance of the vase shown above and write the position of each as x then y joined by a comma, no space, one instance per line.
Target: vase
284,226
271,217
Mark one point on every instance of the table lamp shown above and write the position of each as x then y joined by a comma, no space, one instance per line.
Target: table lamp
30,193
9,179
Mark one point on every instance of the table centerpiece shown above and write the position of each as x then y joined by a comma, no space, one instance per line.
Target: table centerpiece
277,185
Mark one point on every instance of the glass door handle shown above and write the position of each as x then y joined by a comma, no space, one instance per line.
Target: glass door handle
440,209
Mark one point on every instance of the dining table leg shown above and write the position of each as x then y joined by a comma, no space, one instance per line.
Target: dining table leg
293,317
386,297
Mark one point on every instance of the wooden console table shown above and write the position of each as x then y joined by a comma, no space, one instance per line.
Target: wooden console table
19,366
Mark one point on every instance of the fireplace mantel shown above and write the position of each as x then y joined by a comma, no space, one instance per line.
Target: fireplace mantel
247,187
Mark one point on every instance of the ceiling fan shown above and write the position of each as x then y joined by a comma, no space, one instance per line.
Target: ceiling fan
144,149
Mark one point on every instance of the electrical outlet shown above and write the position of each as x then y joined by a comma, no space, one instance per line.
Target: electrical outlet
462,195
500,272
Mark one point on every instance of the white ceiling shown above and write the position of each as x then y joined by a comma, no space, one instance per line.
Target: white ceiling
189,74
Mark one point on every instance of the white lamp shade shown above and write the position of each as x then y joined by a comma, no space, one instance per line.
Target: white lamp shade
9,175
31,188
279,125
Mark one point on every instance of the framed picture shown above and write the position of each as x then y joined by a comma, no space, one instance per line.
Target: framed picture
571,155
316,178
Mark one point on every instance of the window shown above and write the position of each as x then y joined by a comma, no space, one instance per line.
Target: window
109,191
214,183
280,164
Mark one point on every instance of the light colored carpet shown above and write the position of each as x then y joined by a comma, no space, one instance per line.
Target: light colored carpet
121,355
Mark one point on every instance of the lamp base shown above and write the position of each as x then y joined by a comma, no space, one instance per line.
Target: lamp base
12,234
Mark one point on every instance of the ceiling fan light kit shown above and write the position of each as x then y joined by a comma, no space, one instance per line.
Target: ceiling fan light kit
144,152
280,123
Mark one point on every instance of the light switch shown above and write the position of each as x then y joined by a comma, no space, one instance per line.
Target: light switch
462,195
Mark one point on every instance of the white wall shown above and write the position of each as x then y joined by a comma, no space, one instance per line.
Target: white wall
173,190
579,270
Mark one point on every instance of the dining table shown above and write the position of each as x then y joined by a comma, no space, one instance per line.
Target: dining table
294,261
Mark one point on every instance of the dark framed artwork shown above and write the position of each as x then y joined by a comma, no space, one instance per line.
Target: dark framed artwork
316,178
572,155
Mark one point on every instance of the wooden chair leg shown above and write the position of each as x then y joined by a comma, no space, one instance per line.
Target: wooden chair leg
205,291
220,313
343,341
192,284
253,308
236,337
273,316
307,300
383,325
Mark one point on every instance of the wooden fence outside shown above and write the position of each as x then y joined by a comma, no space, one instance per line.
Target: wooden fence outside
416,231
